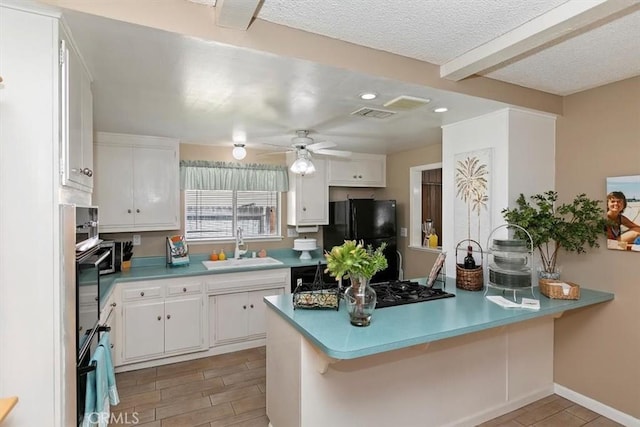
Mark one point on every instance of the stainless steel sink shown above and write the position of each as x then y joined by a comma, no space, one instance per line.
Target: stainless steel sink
240,263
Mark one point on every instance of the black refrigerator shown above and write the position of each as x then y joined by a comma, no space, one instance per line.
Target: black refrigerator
369,220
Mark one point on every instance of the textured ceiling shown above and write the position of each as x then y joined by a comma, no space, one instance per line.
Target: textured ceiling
149,81
438,31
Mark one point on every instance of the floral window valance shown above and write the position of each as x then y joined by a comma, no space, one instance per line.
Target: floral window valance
206,175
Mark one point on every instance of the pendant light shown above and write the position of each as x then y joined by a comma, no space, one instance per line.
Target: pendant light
239,152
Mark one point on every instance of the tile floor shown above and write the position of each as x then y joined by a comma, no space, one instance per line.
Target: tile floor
229,390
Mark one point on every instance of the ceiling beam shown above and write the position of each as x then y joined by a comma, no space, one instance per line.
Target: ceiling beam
555,25
235,14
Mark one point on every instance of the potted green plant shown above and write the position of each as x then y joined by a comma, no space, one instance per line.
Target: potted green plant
352,259
570,226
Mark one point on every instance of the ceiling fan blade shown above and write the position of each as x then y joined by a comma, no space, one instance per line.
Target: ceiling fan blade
272,153
320,145
335,153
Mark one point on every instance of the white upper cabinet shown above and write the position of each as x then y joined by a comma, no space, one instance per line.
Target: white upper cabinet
359,170
308,196
76,118
137,183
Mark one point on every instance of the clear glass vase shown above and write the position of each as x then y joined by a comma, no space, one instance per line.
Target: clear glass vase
360,299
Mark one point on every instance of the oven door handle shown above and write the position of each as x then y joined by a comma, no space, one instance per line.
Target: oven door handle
98,261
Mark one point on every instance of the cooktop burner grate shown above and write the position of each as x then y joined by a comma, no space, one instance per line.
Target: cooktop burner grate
399,292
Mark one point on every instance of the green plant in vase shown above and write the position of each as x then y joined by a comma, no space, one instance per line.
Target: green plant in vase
570,226
352,259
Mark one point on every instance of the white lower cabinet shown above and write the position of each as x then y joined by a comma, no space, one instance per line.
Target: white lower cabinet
162,318
239,316
236,306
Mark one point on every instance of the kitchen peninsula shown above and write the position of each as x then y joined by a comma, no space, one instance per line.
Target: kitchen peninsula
455,361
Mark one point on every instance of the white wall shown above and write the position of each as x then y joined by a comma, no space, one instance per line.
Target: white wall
31,365
523,147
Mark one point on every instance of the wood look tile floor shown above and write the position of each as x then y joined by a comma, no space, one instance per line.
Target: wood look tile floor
229,390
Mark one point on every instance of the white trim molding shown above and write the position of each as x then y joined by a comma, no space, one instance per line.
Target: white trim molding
598,407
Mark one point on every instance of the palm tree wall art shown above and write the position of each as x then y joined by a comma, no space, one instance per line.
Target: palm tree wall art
472,182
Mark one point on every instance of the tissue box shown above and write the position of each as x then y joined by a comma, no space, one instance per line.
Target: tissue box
553,289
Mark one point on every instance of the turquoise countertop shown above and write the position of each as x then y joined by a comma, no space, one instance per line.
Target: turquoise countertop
403,326
150,268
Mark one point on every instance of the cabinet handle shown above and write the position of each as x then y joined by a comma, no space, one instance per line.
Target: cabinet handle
137,210
96,298
142,293
244,307
111,346
251,306
88,172
355,176
360,176
159,317
184,289
304,209
128,210
113,304
168,316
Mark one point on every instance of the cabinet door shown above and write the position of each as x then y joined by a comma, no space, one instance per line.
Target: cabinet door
76,119
257,310
143,329
113,186
231,317
183,324
372,172
308,197
361,170
156,193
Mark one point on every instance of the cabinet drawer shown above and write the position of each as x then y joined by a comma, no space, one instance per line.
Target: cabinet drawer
142,293
184,289
223,283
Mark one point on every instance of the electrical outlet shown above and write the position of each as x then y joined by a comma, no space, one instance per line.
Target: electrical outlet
291,232
136,240
403,231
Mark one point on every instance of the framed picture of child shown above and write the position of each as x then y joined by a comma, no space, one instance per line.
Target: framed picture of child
623,213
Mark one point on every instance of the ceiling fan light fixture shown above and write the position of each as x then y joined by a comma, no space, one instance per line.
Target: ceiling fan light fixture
239,152
303,166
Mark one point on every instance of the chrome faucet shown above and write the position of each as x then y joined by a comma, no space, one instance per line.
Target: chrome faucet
239,242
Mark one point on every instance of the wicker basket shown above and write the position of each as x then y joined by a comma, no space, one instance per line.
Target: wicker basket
469,279
552,289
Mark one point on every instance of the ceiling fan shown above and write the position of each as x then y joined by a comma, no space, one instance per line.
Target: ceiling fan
303,142
304,146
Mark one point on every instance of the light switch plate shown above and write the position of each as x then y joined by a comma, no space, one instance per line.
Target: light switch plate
136,240
403,231
291,232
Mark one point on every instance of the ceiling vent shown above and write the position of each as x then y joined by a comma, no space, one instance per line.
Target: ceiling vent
373,113
405,102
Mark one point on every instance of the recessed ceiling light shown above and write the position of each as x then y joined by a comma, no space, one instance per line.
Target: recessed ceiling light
440,110
368,96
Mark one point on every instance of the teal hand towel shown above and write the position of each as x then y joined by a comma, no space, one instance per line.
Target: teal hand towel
96,406
105,342
90,418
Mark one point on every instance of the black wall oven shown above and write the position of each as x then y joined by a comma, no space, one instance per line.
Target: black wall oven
88,267
91,258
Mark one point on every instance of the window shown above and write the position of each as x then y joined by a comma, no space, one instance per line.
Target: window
216,214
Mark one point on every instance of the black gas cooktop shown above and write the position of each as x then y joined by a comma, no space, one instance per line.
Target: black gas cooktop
399,292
